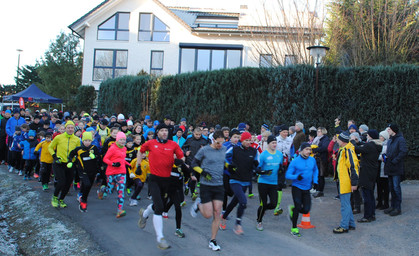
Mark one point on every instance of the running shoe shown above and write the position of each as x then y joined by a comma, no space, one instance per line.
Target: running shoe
259,226
198,185
25,177
213,245
165,215
149,197
62,204
83,207
238,230
179,233
121,213
194,208
45,187
10,169
142,221
251,195
194,196
295,232
186,192
101,192
278,211
20,173
312,191
163,244
223,224
340,230
183,204
290,211
138,197
54,201
133,202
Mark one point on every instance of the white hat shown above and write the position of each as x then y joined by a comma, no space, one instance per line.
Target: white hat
130,122
121,116
55,110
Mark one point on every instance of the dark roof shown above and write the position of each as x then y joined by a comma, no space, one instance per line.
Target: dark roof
33,94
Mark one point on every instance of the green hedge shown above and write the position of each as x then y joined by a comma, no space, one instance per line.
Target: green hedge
85,98
375,96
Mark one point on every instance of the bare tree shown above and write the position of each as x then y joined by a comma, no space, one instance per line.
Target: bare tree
286,28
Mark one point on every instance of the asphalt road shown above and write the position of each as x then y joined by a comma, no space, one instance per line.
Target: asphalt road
386,236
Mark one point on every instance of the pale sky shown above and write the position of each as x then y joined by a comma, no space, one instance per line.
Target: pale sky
31,25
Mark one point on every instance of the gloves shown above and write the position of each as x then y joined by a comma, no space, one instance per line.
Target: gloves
138,171
132,175
232,167
57,159
117,164
179,162
92,156
299,177
263,172
69,165
206,175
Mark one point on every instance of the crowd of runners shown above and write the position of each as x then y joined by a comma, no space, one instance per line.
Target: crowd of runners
216,166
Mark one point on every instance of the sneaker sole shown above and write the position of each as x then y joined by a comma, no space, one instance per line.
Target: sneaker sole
163,248
141,224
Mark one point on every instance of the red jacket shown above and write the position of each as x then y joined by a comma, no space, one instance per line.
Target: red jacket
115,154
161,157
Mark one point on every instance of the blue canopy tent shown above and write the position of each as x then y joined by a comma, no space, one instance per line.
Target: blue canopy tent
33,94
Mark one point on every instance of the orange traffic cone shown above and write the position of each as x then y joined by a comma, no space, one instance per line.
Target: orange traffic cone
305,222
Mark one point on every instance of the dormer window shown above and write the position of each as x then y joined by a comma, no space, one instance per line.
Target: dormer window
216,22
115,28
153,29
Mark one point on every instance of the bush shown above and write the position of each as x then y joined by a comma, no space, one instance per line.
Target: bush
85,98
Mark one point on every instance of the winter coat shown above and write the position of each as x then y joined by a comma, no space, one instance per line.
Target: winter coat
380,158
370,152
245,160
62,145
299,138
28,147
321,150
145,169
115,154
46,157
396,152
11,124
347,169
193,145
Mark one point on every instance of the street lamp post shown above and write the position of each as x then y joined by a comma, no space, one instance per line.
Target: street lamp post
18,64
317,52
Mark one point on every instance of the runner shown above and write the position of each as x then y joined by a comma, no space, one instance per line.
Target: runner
270,162
303,172
209,162
161,151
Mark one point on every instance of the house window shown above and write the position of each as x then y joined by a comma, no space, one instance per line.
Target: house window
156,63
265,61
202,57
109,64
114,28
152,29
290,60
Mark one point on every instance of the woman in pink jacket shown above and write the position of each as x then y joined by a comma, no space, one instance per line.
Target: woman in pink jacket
116,171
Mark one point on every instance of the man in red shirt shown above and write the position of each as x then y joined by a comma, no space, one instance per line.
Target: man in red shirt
161,151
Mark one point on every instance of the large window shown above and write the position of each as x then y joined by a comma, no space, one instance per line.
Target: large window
115,28
265,61
109,64
152,29
156,63
290,60
195,57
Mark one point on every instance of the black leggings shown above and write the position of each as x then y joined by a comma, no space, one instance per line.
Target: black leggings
16,160
64,178
227,190
138,187
29,165
302,203
383,191
266,190
86,180
175,197
159,186
45,173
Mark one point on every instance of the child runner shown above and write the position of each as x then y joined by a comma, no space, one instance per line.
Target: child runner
29,156
116,171
303,172
138,179
131,154
16,152
46,160
87,164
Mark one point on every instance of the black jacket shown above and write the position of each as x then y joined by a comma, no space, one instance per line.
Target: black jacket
3,133
396,152
244,160
85,164
370,152
193,145
322,148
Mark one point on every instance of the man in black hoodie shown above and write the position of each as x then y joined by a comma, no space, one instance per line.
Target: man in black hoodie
394,168
3,146
368,172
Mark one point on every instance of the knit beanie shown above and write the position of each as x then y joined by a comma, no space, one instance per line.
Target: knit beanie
363,127
271,138
373,134
87,136
69,123
121,116
245,136
385,134
120,135
31,133
304,145
241,126
265,126
352,126
344,137
394,128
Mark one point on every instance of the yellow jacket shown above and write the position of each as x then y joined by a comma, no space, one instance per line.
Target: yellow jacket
62,145
46,156
347,168
145,168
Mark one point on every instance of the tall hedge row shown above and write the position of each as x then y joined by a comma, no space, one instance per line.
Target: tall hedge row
375,96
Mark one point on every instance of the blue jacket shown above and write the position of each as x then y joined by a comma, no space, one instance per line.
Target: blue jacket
308,170
28,147
15,144
11,124
396,152
180,141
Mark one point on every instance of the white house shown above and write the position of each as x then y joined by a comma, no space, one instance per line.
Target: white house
127,36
